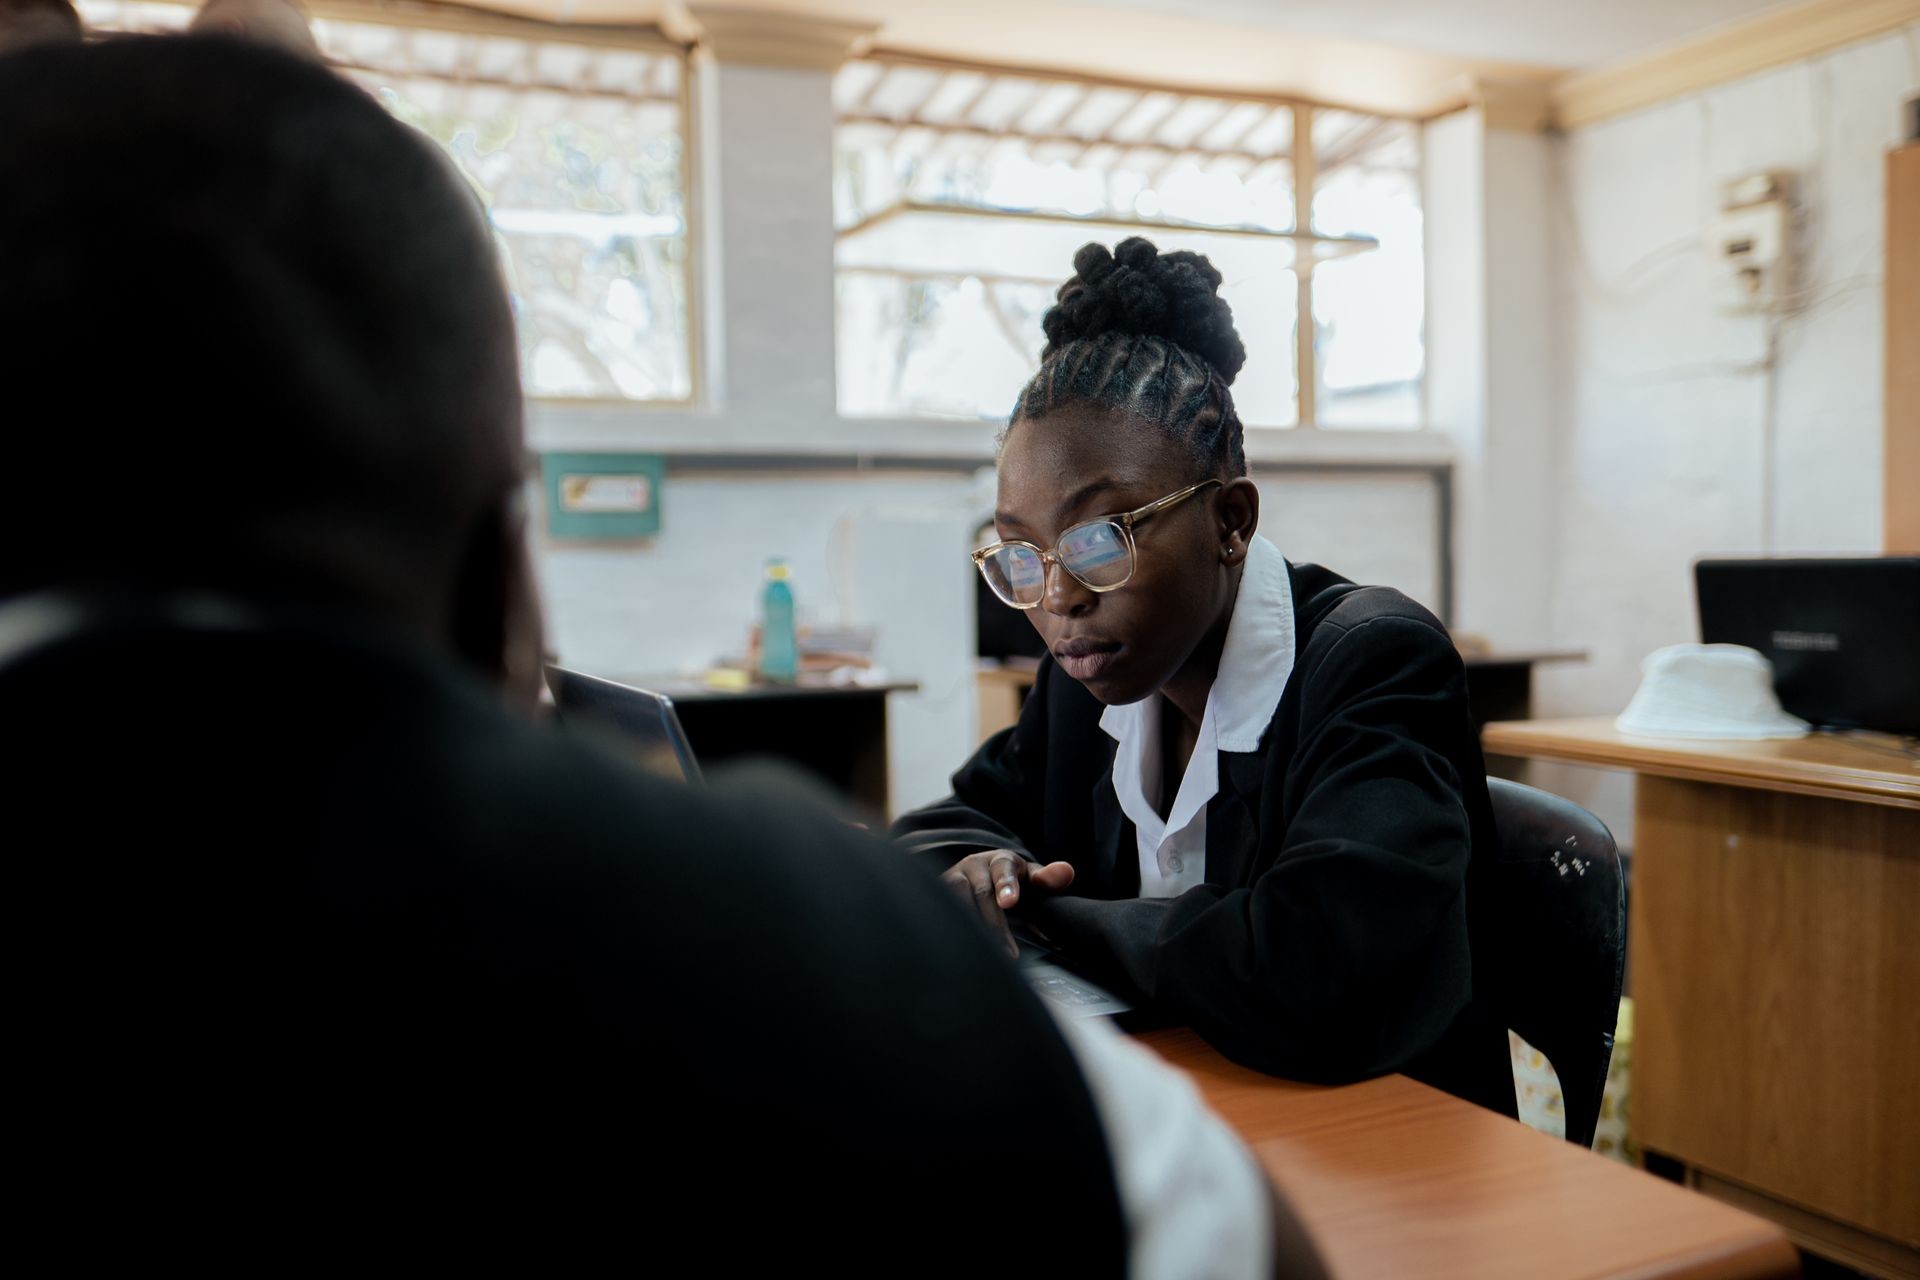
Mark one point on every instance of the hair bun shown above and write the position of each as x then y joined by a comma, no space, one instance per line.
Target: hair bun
1136,289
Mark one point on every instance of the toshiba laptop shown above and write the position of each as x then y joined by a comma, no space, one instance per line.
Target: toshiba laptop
1843,635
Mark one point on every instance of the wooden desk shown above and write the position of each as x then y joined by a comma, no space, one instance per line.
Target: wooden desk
1776,970
1393,1178
837,733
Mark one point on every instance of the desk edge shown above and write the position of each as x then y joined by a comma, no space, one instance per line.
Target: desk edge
1826,786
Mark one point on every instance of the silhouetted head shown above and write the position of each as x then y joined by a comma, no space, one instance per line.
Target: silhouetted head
254,341
31,22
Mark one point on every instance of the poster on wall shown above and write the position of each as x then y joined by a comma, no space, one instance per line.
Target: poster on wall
602,497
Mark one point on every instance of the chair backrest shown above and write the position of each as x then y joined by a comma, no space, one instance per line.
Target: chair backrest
1560,940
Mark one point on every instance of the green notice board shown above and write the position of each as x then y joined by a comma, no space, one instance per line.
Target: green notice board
603,496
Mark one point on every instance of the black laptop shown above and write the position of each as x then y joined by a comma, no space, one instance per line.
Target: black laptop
1843,635
646,721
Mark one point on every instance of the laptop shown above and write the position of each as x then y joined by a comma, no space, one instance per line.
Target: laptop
1070,994
1843,635
647,721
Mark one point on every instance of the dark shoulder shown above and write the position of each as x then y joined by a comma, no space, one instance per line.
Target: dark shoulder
584,805
556,815
1343,624
805,927
1328,606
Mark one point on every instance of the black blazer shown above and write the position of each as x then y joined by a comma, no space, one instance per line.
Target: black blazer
1335,936
320,954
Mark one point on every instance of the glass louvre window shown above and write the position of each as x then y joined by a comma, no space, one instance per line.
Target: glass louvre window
961,194
576,151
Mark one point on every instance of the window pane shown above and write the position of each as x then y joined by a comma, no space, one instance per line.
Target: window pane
575,153
584,196
963,345
145,17
943,346
1369,309
1267,391
939,312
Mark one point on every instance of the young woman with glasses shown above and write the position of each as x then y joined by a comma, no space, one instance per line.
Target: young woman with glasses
1244,791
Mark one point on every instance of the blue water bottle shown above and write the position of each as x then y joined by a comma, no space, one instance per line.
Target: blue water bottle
779,648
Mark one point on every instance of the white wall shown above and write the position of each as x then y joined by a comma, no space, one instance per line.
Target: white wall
766,147
687,598
1369,528
1490,367
673,604
677,602
887,550
1663,453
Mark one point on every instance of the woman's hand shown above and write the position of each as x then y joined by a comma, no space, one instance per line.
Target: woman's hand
992,881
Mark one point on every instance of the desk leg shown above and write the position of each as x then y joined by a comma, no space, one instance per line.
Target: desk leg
1776,1038
871,781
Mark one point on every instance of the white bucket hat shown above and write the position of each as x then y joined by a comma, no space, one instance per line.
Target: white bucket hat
1708,691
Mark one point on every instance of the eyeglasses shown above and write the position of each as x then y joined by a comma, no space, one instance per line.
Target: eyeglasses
1099,554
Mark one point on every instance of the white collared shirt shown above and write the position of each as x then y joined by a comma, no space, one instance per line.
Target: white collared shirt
1255,664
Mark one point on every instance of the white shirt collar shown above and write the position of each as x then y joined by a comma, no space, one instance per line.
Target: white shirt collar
1255,663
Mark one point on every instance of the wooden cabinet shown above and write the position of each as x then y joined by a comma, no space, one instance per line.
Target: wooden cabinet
1776,1038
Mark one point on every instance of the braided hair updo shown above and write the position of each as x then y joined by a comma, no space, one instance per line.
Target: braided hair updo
1147,335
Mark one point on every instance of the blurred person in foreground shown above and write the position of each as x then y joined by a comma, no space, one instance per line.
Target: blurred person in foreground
25,23
324,952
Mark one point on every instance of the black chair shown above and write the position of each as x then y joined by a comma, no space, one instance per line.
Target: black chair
1560,940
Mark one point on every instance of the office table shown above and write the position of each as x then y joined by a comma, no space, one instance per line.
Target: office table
1776,974
1393,1178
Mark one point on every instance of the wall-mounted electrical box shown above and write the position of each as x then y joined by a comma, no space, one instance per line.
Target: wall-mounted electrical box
1753,239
